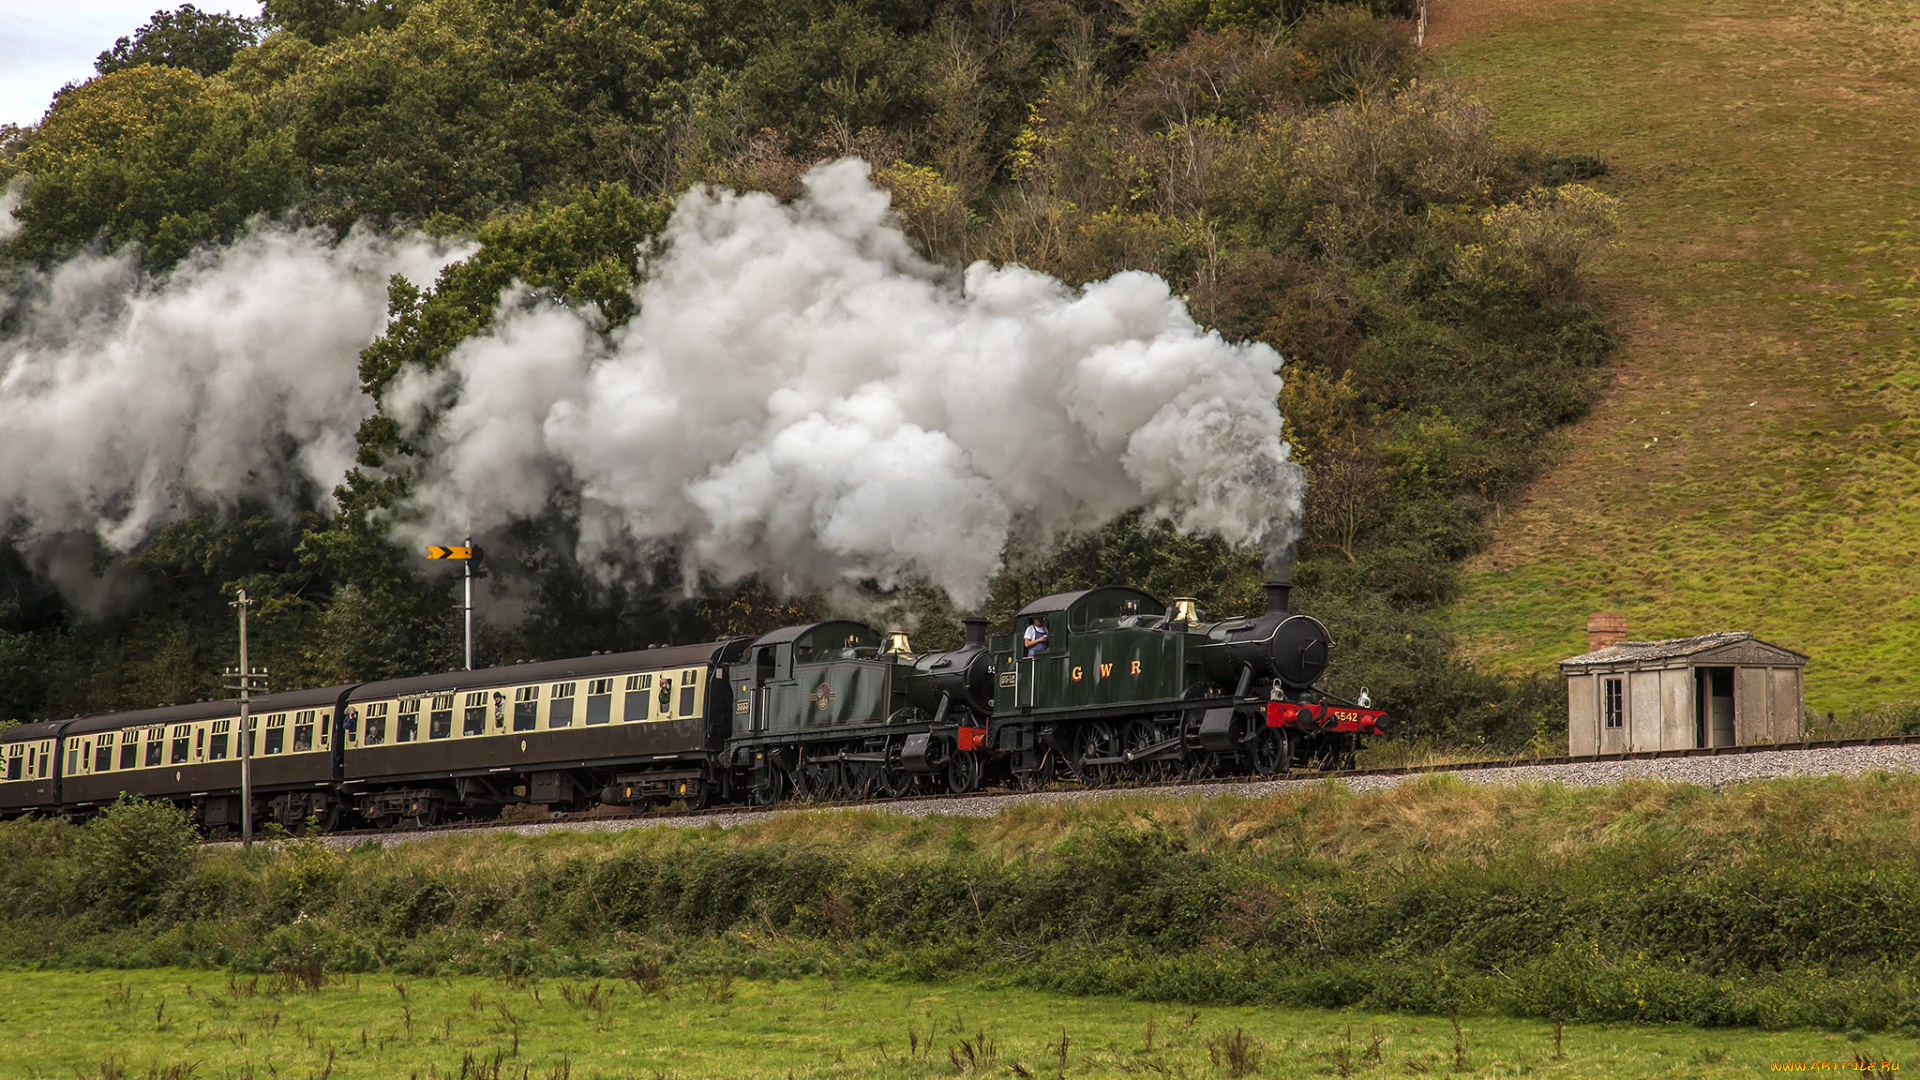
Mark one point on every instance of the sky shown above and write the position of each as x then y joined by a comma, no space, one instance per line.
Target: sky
45,44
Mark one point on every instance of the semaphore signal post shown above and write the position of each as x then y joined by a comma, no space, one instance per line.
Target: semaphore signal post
468,555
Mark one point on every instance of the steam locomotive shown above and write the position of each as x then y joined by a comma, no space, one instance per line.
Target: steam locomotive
1127,688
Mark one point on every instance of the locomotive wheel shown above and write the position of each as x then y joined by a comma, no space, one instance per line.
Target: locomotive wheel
1094,740
815,781
964,772
1197,764
1271,751
1140,734
1038,778
895,781
771,792
862,779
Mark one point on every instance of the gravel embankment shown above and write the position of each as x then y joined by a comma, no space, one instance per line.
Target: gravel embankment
1704,771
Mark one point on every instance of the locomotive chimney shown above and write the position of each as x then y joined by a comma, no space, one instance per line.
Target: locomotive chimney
1605,629
976,632
1277,596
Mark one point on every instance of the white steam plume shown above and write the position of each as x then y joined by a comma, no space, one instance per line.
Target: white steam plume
803,397
125,400
10,200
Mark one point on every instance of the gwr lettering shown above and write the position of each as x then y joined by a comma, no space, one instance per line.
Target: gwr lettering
1106,670
1136,668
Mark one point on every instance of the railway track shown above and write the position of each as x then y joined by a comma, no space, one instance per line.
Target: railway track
1602,768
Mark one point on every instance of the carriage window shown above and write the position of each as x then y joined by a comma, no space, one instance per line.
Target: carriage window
408,727
376,732
526,708
46,756
276,733
474,722
253,736
182,744
129,749
326,726
16,763
689,692
218,749
639,689
103,753
560,712
156,745
73,759
302,732
440,721
599,701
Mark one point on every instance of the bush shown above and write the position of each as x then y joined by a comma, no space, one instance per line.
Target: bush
134,856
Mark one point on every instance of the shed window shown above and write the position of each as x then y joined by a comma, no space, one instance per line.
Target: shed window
1613,701
526,708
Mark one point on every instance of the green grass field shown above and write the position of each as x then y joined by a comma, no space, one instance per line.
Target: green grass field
1753,465
139,1024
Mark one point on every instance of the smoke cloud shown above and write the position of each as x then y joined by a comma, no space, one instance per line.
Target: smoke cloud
9,202
803,397
128,400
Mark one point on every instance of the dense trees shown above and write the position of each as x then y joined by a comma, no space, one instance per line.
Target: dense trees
1285,164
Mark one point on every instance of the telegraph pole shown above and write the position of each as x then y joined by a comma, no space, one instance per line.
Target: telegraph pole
245,683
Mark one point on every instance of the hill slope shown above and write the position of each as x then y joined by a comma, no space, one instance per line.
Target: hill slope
1753,464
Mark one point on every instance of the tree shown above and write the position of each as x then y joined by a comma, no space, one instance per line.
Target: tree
200,41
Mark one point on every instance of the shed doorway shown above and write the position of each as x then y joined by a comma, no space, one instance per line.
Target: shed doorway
1713,706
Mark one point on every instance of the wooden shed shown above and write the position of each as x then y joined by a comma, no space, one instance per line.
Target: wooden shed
1712,690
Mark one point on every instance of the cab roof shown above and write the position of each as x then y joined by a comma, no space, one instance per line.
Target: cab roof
1106,602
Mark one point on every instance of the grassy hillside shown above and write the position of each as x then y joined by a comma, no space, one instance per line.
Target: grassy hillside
1754,463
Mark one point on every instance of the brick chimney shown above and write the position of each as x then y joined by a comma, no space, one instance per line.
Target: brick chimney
1604,629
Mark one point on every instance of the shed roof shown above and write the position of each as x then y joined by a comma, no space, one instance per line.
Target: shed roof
1736,648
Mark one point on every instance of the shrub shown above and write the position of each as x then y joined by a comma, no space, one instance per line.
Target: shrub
134,856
